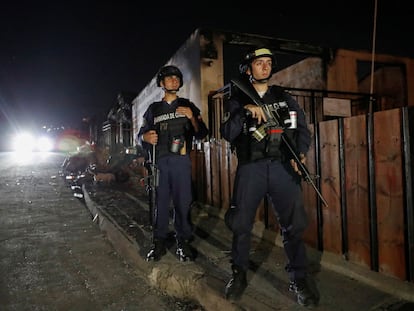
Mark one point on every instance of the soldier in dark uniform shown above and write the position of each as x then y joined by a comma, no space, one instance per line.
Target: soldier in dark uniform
265,167
171,125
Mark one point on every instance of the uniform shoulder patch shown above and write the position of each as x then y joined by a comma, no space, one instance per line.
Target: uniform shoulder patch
226,117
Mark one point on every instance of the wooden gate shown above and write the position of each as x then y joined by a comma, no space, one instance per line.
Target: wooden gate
365,168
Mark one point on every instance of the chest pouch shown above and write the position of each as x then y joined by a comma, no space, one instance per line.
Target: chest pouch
274,136
177,144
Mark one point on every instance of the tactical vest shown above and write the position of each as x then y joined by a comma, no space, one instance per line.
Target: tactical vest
263,141
174,130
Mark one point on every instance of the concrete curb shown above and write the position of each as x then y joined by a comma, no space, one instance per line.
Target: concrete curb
190,280
182,280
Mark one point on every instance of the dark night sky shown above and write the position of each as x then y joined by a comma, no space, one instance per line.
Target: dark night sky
59,62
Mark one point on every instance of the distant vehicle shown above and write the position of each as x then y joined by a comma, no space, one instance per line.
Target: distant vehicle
31,142
27,137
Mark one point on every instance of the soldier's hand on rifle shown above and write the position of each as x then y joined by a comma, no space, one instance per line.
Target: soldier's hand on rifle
302,158
256,112
150,137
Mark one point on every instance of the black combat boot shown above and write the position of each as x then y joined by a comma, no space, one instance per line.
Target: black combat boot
184,251
158,250
237,284
306,295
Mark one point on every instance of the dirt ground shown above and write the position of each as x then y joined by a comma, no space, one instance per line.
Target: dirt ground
53,256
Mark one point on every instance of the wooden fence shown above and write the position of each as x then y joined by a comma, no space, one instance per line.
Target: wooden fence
364,163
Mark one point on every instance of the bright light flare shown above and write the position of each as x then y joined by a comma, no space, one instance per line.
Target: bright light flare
24,142
27,142
44,144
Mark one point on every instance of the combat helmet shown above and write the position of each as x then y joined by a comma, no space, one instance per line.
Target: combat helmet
252,55
167,71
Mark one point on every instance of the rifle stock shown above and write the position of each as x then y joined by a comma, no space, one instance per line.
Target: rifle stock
303,169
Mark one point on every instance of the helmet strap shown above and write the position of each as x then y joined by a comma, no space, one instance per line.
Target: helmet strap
170,91
252,79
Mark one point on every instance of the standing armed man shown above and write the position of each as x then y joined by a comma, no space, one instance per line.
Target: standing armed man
171,125
265,167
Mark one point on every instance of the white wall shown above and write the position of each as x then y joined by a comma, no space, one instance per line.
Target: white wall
187,59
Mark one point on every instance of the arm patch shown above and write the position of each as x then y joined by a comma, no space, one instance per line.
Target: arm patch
226,117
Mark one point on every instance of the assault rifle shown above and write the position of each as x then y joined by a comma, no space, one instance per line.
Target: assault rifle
273,117
151,184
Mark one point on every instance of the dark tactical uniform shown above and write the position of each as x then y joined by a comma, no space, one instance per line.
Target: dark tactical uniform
175,138
264,169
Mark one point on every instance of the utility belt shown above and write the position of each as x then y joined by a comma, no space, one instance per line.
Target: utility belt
257,156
